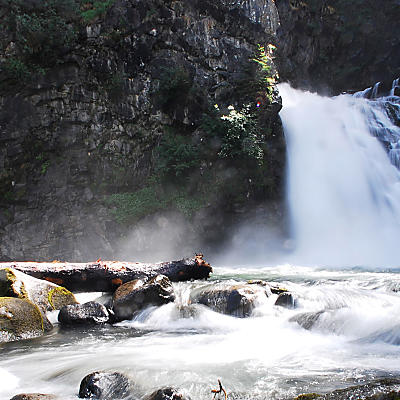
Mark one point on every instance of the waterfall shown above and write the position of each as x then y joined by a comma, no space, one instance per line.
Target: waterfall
343,185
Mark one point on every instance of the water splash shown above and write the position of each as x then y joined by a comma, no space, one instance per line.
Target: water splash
343,191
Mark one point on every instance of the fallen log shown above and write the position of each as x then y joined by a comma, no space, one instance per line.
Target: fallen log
106,276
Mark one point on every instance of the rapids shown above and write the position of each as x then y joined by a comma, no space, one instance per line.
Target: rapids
266,356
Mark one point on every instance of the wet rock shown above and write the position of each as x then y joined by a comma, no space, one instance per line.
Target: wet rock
46,295
236,300
286,300
378,389
307,320
35,396
168,393
136,295
105,386
90,313
19,319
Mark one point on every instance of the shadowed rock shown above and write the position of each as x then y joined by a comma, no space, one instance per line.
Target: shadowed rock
105,386
136,295
90,313
168,393
286,300
237,300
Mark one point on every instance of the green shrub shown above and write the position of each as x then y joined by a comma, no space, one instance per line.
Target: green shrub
44,36
95,9
15,70
174,83
239,133
132,206
176,155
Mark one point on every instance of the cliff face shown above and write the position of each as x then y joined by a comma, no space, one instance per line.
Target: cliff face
86,137
338,45
111,137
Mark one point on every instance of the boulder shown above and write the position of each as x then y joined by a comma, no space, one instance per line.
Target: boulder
236,300
286,299
90,313
307,320
136,295
35,396
46,295
168,393
105,386
19,319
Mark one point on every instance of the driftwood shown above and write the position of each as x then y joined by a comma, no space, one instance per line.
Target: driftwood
106,276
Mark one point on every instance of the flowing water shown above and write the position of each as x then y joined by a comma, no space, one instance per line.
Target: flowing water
343,186
343,194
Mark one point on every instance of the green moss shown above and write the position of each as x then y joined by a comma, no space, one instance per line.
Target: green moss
59,297
7,285
92,10
130,207
308,396
19,319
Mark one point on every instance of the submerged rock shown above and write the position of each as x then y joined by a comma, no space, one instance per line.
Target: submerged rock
46,295
19,319
379,389
236,300
105,386
136,295
35,396
307,320
168,393
90,313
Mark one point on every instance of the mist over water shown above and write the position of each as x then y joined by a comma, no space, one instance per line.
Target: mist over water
343,190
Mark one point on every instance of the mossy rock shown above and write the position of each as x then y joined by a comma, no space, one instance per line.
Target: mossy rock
19,319
307,396
59,297
9,285
46,295
35,396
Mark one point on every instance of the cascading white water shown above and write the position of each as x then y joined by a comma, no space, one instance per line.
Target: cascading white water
343,191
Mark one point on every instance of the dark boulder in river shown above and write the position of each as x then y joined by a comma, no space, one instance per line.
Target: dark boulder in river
19,319
136,295
90,313
286,300
168,393
35,396
105,386
236,300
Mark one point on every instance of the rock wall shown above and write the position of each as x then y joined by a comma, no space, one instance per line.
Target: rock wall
88,125
338,45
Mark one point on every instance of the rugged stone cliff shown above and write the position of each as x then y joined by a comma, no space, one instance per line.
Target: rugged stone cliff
338,45
111,137
109,125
